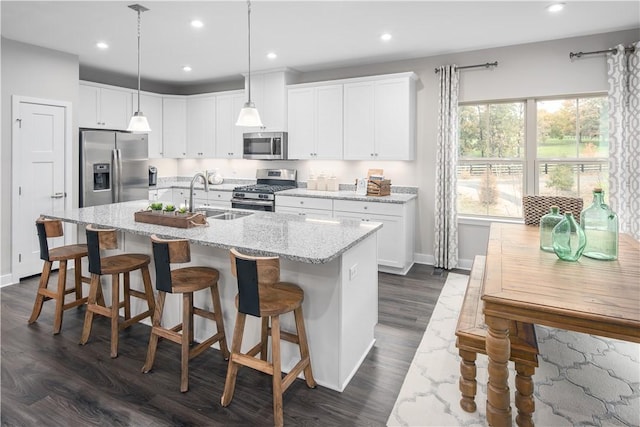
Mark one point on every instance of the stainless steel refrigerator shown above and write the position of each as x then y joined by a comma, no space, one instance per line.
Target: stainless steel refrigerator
114,167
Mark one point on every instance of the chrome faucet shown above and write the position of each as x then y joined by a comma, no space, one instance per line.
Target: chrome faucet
205,177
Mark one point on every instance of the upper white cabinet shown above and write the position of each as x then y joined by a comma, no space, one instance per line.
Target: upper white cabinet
174,126
228,135
269,94
379,118
201,127
103,107
152,109
315,122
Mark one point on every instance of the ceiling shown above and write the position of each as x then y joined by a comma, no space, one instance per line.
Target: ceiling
306,35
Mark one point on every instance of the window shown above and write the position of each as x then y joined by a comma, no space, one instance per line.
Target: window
533,146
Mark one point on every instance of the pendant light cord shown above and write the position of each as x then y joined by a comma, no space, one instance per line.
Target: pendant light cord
249,44
138,60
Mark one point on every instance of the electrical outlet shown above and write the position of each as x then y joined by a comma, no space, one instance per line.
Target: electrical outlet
353,271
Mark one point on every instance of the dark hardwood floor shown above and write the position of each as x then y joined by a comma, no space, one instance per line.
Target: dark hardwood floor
50,380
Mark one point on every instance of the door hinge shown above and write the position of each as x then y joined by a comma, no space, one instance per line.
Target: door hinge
19,123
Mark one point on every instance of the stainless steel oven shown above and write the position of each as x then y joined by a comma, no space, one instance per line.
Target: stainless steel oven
261,196
253,204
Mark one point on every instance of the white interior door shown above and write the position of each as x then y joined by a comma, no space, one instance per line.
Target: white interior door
39,178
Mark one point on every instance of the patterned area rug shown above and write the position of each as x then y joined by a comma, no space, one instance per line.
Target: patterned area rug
582,379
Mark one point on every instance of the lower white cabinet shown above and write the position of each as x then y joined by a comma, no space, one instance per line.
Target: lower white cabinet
220,199
395,239
212,198
309,207
161,195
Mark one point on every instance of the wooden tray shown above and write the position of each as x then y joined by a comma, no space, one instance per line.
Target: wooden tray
187,220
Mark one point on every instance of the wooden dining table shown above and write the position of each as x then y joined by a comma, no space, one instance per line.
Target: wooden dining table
526,284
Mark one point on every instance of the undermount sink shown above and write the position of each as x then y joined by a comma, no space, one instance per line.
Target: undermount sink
225,214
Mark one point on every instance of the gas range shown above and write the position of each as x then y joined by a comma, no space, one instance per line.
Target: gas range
261,196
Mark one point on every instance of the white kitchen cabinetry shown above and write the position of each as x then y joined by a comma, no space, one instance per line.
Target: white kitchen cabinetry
180,196
212,198
269,94
395,238
310,207
201,127
228,135
379,118
174,126
152,109
161,195
315,122
104,107
220,199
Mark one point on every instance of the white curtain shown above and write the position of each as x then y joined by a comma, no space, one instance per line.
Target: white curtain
624,137
446,227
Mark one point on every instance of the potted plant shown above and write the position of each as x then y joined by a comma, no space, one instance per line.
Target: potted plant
156,207
169,209
182,211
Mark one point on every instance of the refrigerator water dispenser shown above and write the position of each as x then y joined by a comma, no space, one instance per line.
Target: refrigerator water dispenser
101,175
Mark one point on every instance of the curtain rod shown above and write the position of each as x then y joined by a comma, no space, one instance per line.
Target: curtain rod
595,52
485,65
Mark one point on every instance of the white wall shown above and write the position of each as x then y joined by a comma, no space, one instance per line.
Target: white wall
29,70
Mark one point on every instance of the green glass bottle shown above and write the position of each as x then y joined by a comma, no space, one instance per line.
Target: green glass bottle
600,225
547,222
568,238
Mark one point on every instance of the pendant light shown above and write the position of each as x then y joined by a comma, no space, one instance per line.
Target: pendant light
138,122
249,115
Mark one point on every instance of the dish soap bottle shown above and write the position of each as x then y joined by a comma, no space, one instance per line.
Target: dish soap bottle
547,223
600,225
568,238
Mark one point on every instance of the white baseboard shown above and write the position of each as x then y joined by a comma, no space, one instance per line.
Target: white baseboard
6,280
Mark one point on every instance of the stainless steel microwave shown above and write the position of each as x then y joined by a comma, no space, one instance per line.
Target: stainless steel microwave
265,146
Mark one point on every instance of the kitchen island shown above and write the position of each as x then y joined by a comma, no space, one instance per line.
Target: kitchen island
334,261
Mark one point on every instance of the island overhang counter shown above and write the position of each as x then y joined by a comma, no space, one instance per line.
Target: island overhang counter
334,261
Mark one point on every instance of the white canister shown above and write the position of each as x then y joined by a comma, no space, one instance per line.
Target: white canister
332,184
312,184
322,182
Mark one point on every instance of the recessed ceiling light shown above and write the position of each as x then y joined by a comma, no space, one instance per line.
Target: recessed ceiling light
196,23
272,55
555,7
186,68
385,37
102,45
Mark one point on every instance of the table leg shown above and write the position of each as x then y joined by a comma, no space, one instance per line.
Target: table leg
498,349
524,395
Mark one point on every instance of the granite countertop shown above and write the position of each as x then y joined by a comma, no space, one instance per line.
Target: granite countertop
289,236
347,195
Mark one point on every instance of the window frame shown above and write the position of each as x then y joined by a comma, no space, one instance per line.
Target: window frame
531,163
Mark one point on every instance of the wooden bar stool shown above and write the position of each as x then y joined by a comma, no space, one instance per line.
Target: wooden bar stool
185,281
114,265
261,294
49,228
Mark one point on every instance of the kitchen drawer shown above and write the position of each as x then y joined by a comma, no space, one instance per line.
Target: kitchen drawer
305,212
394,209
304,202
219,196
